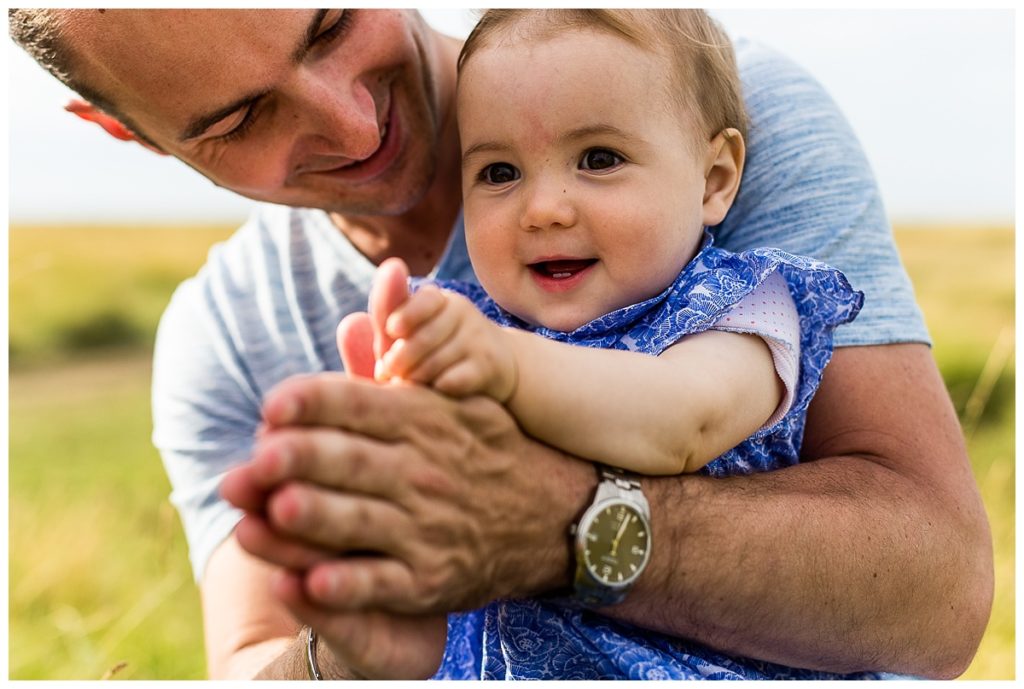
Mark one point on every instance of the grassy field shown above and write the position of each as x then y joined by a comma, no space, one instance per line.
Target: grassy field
99,580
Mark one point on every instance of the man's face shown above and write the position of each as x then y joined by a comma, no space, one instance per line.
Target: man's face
332,109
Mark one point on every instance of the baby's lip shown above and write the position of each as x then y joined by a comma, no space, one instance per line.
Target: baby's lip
561,267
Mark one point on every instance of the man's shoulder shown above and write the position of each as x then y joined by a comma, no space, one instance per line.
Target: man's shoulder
256,311
250,267
270,231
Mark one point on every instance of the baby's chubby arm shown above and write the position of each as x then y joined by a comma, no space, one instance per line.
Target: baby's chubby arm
668,414
654,415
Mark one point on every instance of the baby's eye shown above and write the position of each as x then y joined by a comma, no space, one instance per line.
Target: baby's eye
600,159
499,173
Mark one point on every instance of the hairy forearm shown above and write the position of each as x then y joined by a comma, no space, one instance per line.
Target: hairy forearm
840,567
872,554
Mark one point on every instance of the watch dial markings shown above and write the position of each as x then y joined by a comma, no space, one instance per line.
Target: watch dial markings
614,544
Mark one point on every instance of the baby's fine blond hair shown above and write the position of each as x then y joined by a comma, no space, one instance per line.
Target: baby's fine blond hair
704,77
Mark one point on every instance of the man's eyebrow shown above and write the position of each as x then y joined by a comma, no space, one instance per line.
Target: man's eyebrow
199,124
299,54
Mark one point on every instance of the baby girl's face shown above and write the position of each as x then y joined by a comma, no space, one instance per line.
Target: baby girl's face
582,180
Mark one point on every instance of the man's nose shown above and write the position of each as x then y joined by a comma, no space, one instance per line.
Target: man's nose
340,119
547,204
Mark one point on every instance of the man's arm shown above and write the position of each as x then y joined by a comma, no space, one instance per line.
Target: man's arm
246,628
875,556
251,634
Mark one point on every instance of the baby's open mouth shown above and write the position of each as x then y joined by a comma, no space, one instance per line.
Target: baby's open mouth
561,269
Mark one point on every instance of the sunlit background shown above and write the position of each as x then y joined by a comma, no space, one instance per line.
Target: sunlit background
929,93
102,231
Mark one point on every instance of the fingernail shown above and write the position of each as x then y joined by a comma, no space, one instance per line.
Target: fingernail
379,373
391,326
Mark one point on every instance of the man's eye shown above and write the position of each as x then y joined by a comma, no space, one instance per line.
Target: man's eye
334,23
600,159
235,126
499,173
231,126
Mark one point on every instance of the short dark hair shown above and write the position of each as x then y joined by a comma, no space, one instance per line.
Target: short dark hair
39,32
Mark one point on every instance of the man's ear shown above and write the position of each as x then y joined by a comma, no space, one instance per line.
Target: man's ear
90,113
723,171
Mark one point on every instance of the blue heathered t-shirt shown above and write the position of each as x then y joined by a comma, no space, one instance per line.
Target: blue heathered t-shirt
267,303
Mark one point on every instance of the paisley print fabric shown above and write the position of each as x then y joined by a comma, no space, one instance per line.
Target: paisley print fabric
550,639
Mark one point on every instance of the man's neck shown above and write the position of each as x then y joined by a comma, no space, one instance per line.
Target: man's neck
420,235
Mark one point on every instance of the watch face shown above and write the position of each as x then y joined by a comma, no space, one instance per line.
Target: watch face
616,544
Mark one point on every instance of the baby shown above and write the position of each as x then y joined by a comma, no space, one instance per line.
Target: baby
597,147
594,154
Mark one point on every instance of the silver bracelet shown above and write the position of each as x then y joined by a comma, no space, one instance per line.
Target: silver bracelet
311,665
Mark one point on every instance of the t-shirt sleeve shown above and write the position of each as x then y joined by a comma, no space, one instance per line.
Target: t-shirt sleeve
205,414
808,189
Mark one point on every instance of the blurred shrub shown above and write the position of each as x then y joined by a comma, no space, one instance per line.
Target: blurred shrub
75,289
106,328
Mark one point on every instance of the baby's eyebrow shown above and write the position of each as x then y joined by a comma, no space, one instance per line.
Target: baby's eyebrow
484,147
577,134
594,130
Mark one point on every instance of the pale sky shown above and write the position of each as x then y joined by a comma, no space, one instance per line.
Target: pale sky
930,94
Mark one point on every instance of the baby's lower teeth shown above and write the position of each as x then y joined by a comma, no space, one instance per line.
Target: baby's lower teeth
559,276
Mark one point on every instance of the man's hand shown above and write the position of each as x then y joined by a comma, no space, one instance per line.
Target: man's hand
367,645
437,504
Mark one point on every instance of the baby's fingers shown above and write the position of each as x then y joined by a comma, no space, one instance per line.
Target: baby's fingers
419,309
408,353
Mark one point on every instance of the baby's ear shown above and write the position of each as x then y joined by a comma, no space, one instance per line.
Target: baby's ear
723,171
111,125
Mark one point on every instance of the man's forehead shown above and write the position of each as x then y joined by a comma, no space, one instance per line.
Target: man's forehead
166,63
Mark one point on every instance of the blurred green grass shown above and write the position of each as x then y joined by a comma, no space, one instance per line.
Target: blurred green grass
964,281
99,578
98,570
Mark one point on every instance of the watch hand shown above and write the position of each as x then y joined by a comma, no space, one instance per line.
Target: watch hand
618,536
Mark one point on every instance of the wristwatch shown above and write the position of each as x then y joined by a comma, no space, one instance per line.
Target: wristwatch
612,540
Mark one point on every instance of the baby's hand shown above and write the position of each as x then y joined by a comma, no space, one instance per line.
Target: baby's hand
443,341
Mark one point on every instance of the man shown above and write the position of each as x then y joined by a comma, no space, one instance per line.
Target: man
875,555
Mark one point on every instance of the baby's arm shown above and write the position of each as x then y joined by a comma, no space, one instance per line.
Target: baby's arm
653,415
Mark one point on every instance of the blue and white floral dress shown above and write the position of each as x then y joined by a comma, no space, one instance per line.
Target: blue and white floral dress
543,639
